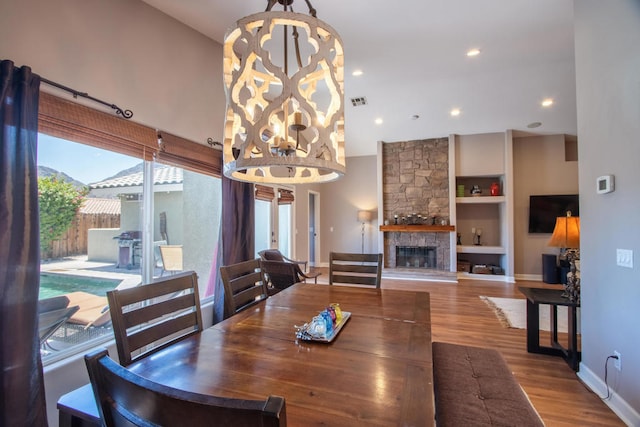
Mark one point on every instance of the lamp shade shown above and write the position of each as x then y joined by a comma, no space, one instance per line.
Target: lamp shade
364,216
566,233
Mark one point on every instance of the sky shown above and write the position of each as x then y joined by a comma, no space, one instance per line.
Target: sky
81,162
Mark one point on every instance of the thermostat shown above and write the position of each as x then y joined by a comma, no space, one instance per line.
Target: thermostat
604,184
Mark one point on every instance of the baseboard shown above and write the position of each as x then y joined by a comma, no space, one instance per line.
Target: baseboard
529,277
487,277
618,405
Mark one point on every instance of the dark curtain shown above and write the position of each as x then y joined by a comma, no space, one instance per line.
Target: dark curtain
237,241
23,400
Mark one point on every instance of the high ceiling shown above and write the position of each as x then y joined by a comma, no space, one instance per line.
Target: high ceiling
413,57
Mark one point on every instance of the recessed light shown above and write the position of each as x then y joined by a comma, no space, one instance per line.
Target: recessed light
357,73
473,52
378,121
455,112
547,102
534,125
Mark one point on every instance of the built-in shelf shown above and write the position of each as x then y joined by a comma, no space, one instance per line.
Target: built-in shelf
462,249
419,228
481,199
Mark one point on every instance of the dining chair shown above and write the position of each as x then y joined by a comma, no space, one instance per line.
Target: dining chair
274,255
361,269
153,316
280,275
127,399
244,286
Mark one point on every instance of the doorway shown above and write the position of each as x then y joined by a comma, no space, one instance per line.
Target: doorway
314,228
274,219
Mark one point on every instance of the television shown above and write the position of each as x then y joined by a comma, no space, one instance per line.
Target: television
543,211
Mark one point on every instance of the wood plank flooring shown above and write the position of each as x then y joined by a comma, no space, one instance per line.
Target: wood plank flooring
459,316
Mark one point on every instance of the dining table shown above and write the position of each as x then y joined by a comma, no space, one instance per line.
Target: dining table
376,371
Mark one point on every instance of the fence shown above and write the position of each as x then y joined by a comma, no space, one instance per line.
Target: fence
74,242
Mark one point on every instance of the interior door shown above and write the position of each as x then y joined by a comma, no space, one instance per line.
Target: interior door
313,220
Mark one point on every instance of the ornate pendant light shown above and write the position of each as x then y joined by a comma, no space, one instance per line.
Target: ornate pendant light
285,116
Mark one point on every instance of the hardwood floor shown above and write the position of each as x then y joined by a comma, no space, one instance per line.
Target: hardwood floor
459,316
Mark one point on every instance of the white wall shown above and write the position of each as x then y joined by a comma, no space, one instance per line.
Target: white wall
341,201
608,93
126,53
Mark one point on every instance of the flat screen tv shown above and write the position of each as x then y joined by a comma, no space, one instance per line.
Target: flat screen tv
543,211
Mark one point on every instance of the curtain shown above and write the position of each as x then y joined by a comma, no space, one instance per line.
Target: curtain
23,400
237,236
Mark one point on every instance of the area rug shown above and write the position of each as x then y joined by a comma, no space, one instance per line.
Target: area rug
512,313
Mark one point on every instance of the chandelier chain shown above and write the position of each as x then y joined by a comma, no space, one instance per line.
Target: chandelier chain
285,3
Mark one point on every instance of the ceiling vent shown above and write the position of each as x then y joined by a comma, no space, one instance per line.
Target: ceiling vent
357,102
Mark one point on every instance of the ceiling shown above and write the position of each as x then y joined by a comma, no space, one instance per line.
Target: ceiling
414,63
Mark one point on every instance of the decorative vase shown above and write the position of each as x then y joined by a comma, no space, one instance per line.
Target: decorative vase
495,189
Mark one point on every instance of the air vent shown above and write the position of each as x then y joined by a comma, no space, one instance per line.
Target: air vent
357,102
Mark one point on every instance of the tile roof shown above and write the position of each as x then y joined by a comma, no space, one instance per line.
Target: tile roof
161,175
94,205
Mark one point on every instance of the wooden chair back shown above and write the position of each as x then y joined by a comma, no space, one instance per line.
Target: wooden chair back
127,399
361,269
244,286
150,317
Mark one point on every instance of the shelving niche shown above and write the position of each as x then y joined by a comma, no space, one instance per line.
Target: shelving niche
482,160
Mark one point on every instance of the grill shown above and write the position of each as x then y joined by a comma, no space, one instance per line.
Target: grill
129,246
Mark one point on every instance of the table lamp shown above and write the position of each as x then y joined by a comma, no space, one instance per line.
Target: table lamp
363,217
566,236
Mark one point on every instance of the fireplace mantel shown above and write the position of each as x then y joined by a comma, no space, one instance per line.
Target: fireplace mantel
419,228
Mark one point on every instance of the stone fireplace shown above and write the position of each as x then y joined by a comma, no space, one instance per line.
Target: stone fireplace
416,183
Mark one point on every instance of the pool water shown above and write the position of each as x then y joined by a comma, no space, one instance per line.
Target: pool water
52,285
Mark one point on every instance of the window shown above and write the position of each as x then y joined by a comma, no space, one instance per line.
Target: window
106,245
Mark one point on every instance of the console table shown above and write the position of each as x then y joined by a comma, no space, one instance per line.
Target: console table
554,298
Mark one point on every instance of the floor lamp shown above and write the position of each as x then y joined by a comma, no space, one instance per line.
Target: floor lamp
363,217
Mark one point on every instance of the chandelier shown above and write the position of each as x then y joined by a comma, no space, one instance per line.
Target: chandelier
285,109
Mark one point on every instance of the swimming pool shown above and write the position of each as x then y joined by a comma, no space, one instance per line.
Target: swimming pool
52,285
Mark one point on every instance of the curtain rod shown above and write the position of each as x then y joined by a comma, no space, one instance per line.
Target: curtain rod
127,114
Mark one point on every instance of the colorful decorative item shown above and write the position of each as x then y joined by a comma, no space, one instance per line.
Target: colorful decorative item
495,189
325,326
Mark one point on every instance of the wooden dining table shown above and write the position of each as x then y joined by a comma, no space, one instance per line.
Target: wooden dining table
377,371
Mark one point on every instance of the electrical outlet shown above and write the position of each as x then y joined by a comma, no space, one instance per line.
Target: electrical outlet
624,257
617,362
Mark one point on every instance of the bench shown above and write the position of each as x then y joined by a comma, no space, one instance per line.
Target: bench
474,387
